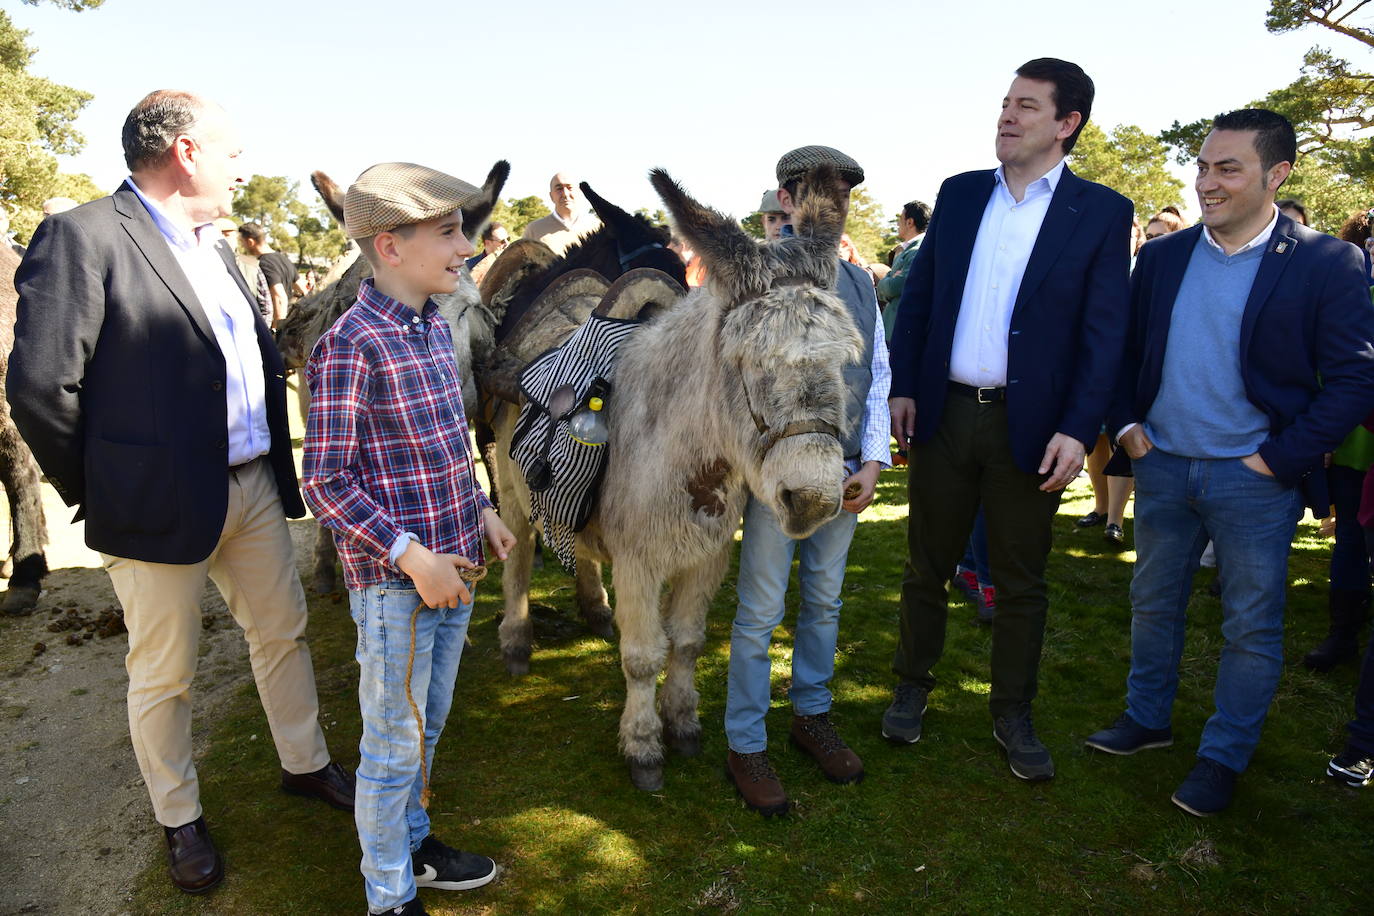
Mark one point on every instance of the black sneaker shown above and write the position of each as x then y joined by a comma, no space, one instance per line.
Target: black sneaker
1091,520
1352,767
1126,736
902,721
412,907
1207,790
436,865
1028,758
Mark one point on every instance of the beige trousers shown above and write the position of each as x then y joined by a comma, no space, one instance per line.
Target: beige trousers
253,566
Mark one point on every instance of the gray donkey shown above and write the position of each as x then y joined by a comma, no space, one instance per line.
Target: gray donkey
734,389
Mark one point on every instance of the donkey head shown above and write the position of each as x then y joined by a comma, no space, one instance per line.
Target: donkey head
637,242
784,339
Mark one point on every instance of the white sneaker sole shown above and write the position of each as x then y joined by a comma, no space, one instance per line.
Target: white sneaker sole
1349,777
1189,808
1011,765
1150,745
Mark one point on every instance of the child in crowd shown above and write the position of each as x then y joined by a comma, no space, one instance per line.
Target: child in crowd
387,469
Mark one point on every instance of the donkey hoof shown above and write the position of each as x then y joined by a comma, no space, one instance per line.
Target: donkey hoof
687,744
647,777
21,599
601,622
517,661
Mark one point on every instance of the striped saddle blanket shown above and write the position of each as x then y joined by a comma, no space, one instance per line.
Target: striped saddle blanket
563,474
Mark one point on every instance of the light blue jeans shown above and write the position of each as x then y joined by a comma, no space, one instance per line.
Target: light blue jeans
1251,520
765,565
391,822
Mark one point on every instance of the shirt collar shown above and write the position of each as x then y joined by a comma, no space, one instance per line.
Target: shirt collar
1261,239
913,240
392,308
1050,178
177,237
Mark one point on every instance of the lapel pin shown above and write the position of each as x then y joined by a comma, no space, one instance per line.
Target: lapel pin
1281,247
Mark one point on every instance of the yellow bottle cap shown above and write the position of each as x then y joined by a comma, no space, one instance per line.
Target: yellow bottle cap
594,404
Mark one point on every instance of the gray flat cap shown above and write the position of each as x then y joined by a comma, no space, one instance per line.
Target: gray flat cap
799,161
393,194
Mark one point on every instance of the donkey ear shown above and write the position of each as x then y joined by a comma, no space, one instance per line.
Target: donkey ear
477,212
819,215
621,223
333,197
734,262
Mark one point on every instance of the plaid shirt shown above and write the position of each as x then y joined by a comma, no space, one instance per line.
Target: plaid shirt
386,442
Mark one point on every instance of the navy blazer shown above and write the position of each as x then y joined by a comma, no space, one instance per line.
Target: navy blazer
117,384
1306,344
1067,326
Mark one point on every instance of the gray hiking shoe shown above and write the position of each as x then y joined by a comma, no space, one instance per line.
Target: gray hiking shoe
902,721
1027,757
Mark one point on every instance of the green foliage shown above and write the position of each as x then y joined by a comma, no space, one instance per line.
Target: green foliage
870,230
75,6
1331,105
657,216
753,224
515,213
292,225
36,126
1129,161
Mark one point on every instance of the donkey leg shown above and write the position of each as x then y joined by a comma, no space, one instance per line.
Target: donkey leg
592,600
19,474
322,578
517,630
685,621
643,648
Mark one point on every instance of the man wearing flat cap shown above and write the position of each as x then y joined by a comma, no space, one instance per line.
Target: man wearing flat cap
766,552
151,393
1009,330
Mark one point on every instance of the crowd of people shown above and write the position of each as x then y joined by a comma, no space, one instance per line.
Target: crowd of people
1026,326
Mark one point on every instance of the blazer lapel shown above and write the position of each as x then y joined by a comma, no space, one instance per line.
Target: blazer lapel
1169,277
1277,253
1063,214
963,229
138,223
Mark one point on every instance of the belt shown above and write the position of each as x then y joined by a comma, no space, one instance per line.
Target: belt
235,468
981,395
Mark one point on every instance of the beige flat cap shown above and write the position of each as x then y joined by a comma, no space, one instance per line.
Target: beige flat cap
770,203
392,194
799,161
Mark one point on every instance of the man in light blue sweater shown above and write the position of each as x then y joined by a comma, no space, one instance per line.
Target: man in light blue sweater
1251,353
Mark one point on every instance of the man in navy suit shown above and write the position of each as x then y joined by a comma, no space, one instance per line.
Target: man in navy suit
1250,354
1004,353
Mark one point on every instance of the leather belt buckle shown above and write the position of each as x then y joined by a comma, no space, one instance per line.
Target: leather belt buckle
987,395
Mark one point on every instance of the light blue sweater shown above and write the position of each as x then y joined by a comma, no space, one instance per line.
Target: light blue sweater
1201,410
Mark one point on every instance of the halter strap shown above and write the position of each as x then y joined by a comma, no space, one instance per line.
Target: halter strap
625,259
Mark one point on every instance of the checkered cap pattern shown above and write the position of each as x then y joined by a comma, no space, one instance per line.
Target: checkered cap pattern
802,160
393,194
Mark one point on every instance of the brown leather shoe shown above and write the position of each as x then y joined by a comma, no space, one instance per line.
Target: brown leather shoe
193,862
817,736
333,784
756,782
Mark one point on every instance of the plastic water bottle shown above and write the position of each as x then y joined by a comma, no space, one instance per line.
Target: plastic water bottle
588,425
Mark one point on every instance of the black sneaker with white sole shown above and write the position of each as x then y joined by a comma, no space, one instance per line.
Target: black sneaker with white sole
436,865
412,907
1352,767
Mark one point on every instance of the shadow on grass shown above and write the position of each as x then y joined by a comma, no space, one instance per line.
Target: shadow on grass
528,772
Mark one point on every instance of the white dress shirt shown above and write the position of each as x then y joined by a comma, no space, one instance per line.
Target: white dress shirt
1006,236
234,320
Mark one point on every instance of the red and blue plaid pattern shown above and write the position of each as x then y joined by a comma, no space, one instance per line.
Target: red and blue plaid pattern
386,441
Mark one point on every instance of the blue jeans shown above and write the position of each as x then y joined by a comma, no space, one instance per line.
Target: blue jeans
765,565
1251,520
391,822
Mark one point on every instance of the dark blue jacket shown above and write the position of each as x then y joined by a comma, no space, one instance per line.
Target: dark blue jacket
1306,344
1067,326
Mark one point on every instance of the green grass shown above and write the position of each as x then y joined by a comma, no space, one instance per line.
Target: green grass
528,772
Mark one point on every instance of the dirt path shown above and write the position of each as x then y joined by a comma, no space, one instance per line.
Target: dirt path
76,827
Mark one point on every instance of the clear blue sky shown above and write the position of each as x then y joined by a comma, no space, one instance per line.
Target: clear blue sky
712,90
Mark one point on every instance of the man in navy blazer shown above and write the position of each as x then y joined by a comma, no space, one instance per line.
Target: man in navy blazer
1250,355
1004,353
152,396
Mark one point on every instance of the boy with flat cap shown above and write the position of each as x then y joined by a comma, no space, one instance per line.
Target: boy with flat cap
766,552
387,469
